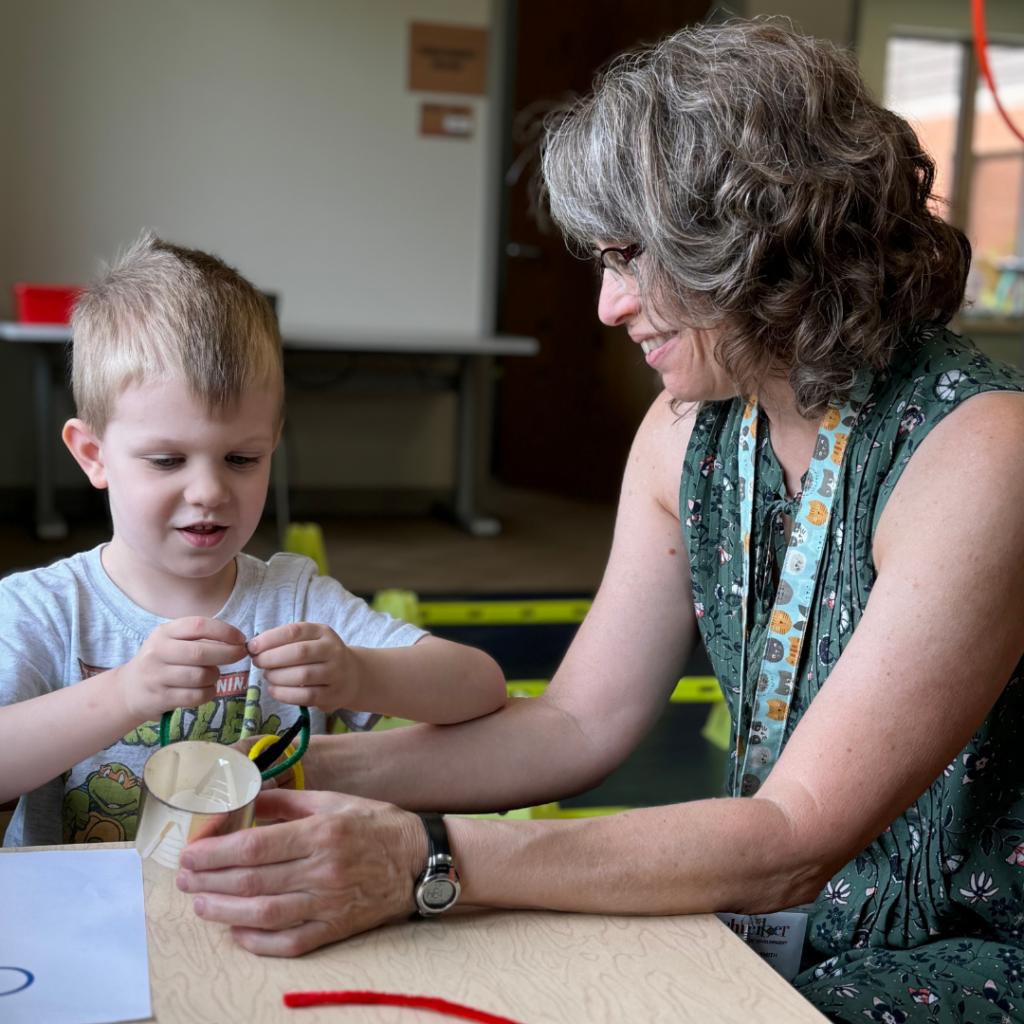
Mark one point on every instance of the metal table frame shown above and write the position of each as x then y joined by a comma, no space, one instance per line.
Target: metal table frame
50,525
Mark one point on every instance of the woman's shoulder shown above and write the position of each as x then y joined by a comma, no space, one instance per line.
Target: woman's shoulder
940,382
943,368
933,372
660,447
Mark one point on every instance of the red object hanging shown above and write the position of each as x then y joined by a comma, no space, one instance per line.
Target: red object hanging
431,1003
981,49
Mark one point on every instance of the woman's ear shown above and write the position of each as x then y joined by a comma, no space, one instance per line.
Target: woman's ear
86,448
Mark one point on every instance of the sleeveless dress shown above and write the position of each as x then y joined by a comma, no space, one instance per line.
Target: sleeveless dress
927,923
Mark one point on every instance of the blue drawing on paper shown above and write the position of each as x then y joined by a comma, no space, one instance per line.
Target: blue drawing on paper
17,977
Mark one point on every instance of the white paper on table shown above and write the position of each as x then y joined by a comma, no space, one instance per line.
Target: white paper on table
75,921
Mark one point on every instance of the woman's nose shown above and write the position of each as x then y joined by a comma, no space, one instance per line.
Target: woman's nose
619,300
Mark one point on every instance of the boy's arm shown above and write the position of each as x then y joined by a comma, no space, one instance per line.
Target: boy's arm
432,680
43,737
176,667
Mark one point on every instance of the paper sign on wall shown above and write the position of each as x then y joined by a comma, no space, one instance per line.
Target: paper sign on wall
448,58
453,122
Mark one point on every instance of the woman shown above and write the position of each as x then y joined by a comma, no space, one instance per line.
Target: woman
764,229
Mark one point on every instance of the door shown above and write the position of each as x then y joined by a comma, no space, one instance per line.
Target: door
565,418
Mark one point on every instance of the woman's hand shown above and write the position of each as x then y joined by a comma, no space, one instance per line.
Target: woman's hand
307,663
334,866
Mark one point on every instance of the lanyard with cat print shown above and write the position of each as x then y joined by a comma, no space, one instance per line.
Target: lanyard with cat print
797,578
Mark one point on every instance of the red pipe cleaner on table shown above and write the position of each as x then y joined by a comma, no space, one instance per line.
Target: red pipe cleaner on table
981,48
294,999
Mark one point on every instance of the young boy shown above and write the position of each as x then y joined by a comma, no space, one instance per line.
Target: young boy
179,388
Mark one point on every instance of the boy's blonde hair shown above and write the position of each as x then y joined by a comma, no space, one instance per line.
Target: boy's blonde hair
161,311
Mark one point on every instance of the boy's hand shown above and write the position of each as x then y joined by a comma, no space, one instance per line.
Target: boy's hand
306,663
178,666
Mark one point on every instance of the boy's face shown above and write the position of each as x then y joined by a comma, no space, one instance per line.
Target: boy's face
187,486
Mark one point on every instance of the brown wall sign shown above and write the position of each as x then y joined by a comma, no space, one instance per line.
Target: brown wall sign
448,58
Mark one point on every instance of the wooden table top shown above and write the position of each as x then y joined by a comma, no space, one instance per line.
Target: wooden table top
531,966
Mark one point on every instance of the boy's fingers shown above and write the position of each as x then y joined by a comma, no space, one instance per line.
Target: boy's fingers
302,652
196,627
279,636
201,653
308,697
294,675
181,697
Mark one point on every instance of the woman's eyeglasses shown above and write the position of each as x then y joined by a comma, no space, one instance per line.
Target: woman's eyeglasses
619,259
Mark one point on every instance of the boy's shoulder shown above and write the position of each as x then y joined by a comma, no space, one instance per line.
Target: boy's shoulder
49,582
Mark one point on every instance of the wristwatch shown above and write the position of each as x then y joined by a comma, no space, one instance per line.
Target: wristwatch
437,888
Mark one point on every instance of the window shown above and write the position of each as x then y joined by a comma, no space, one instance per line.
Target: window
922,83
934,83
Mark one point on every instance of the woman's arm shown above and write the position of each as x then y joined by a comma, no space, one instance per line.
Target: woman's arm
606,695
940,637
938,640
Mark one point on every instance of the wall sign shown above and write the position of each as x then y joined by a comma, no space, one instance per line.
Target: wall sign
453,122
448,58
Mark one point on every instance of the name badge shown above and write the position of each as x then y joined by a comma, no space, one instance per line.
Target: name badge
776,938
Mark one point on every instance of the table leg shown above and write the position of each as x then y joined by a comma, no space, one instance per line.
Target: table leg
466,514
50,525
282,506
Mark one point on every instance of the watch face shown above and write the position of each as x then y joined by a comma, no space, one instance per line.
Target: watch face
438,893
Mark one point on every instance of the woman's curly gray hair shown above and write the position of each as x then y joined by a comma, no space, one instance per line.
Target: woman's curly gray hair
774,199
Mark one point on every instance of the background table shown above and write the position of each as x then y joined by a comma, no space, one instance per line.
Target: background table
468,350
534,967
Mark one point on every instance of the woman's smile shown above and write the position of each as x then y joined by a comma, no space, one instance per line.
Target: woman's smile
655,348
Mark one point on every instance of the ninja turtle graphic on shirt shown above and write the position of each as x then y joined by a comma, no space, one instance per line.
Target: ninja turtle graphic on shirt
105,808
235,712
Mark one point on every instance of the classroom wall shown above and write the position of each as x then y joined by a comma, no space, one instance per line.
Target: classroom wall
835,19
279,134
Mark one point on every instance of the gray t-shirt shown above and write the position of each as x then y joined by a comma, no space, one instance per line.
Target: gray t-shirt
68,621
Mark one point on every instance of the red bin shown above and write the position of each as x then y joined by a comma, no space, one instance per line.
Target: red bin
44,303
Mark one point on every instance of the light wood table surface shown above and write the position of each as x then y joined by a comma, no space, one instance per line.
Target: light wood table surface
533,967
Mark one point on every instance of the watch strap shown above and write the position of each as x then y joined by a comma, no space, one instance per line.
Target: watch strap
437,837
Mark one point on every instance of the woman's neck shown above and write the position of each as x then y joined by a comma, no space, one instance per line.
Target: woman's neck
792,434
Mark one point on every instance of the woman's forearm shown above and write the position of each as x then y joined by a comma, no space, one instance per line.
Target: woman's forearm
527,753
709,855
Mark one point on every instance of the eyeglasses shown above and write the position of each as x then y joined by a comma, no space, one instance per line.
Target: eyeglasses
619,260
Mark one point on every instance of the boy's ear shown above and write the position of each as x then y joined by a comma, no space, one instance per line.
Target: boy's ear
85,446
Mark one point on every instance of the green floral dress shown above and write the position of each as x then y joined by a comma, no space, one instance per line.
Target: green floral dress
927,923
